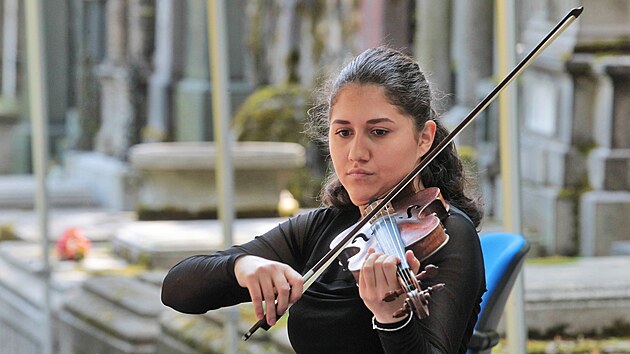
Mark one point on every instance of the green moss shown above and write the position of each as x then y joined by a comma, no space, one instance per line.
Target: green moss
552,260
586,147
170,213
128,271
7,233
617,328
273,113
278,113
603,48
566,193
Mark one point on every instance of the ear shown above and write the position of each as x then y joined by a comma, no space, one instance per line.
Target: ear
425,140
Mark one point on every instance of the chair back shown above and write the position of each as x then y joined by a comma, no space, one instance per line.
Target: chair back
503,255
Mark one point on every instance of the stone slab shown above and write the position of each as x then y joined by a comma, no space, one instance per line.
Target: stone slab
161,244
18,192
548,221
109,179
609,169
605,219
620,248
139,298
179,178
579,296
98,225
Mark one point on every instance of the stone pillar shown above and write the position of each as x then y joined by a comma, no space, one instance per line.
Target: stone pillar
193,99
573,134
123,75
89,46
432,35
167,69
10,27
552,166
472,55
193,109
9,106
298,40
116,110
57,63
55,34
604,210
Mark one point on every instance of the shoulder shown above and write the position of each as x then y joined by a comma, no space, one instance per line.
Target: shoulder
463,236
459,223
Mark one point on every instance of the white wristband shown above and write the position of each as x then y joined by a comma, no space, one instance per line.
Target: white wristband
374,326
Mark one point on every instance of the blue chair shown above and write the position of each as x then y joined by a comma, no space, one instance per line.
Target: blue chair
503,256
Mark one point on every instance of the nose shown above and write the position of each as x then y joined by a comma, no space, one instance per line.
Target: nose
359,151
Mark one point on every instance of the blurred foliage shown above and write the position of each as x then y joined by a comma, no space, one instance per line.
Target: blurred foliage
273,113
7,233
279,113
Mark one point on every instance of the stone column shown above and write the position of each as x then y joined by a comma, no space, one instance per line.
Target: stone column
604,210
573,135
123,75
472,55
57,61
192,105
167,61
55,34
619,73
193,110
116,111
432,37
10,27
88,48
552,166
9,106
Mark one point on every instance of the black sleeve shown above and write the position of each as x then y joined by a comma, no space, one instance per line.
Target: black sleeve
453,311
206,282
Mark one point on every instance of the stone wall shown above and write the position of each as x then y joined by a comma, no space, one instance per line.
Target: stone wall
574,165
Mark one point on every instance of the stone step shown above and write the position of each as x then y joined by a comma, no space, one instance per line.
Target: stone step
578,296
18,192
620,248
161,244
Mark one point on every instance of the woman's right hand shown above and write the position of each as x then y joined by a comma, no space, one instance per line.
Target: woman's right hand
268,281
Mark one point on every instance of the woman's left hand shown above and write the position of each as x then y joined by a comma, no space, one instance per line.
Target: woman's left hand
377,278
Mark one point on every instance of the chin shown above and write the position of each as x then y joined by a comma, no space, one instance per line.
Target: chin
359,201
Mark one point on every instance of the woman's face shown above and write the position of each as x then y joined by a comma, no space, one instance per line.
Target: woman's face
372,144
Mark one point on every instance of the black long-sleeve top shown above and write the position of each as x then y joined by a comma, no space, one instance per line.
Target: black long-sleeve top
331,317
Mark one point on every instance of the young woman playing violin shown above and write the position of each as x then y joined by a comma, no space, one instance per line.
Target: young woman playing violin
378,123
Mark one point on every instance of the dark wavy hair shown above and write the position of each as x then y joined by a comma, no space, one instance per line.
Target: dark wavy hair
406,87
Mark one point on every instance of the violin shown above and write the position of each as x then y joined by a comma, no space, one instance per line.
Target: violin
413,222
349,235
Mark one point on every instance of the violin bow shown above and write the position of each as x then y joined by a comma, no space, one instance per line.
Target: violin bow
314,273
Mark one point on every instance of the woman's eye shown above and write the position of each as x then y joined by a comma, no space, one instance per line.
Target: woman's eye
379,132
343,132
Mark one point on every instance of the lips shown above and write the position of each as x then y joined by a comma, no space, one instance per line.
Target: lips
359,172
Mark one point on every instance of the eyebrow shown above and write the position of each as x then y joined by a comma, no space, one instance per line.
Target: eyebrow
370,121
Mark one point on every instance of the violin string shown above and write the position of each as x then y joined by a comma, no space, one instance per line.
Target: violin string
389,240
395,247
409,282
